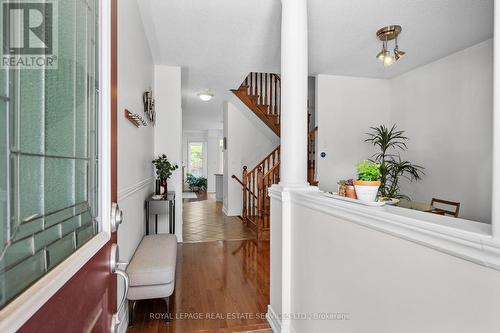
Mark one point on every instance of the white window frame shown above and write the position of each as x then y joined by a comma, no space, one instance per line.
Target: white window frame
204,147
20,310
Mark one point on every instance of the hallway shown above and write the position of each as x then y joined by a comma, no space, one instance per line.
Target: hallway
221,286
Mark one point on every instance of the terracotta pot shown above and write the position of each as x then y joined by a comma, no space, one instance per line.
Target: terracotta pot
366,183
350,192
366,190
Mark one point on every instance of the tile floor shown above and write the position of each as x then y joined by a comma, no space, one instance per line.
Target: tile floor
204,221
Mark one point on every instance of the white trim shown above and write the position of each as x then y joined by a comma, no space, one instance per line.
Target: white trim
20,310
495,197
105,121
126,192
478,247
284,195
273,320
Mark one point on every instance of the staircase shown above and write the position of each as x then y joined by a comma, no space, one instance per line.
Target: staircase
261,93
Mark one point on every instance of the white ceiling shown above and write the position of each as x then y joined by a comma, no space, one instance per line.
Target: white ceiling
218,42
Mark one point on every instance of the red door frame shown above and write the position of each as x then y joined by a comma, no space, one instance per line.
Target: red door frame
87,301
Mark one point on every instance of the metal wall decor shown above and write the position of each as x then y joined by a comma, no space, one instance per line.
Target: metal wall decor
149,106
135,119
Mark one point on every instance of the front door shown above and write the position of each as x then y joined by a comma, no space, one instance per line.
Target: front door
58,165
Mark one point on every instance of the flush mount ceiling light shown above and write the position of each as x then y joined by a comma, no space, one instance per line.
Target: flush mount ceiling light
385,35
205,96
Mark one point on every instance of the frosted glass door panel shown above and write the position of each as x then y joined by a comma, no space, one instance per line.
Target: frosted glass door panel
49,155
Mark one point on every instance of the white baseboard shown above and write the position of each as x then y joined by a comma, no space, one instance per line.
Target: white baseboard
273,320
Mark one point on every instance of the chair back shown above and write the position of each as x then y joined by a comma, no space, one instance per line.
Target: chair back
441,211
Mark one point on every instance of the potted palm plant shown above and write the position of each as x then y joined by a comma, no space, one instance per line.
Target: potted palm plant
164,170
390,142
368,181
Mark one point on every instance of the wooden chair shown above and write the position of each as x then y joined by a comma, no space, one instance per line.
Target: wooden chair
441,211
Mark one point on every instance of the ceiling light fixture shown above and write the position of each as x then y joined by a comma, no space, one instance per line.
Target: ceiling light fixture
205,96
386,34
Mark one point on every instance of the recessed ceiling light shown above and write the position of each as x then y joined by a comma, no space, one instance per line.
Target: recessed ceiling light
205,96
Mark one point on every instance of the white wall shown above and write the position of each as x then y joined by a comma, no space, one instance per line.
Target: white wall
347,108
247,144
446,108
384,283
168,133
135,145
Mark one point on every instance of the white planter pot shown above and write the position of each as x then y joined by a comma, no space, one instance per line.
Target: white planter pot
366,193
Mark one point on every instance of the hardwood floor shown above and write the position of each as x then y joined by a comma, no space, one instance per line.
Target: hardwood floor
204,221
221,287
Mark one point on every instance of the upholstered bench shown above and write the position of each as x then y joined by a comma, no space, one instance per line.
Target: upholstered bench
151,271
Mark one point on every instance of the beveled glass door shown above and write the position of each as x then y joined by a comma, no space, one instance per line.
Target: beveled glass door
49,153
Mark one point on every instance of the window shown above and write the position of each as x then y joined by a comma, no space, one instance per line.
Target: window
196,159
49,153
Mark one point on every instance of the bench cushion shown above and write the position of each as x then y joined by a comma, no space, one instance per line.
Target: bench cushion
154,260
149,292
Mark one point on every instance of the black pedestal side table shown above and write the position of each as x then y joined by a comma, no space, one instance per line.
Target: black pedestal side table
164,206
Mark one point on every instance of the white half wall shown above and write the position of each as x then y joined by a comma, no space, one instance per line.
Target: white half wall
168,133
347,108
446,109
247,144
383,283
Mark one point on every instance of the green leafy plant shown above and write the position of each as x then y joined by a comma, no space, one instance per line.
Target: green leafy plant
368,171
163,167
390,143
196,183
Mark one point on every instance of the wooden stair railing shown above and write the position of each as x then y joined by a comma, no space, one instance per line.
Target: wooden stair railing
256,182
311,157
261,92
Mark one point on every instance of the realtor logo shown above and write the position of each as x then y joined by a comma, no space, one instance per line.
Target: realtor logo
29,34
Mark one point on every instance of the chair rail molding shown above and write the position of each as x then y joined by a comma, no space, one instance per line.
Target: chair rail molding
128,191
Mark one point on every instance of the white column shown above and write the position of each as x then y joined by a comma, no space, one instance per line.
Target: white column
495,218
294,72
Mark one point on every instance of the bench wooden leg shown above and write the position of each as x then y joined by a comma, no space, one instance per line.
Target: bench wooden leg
131,308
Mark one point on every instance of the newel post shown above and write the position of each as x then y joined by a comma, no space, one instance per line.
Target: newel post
244,180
